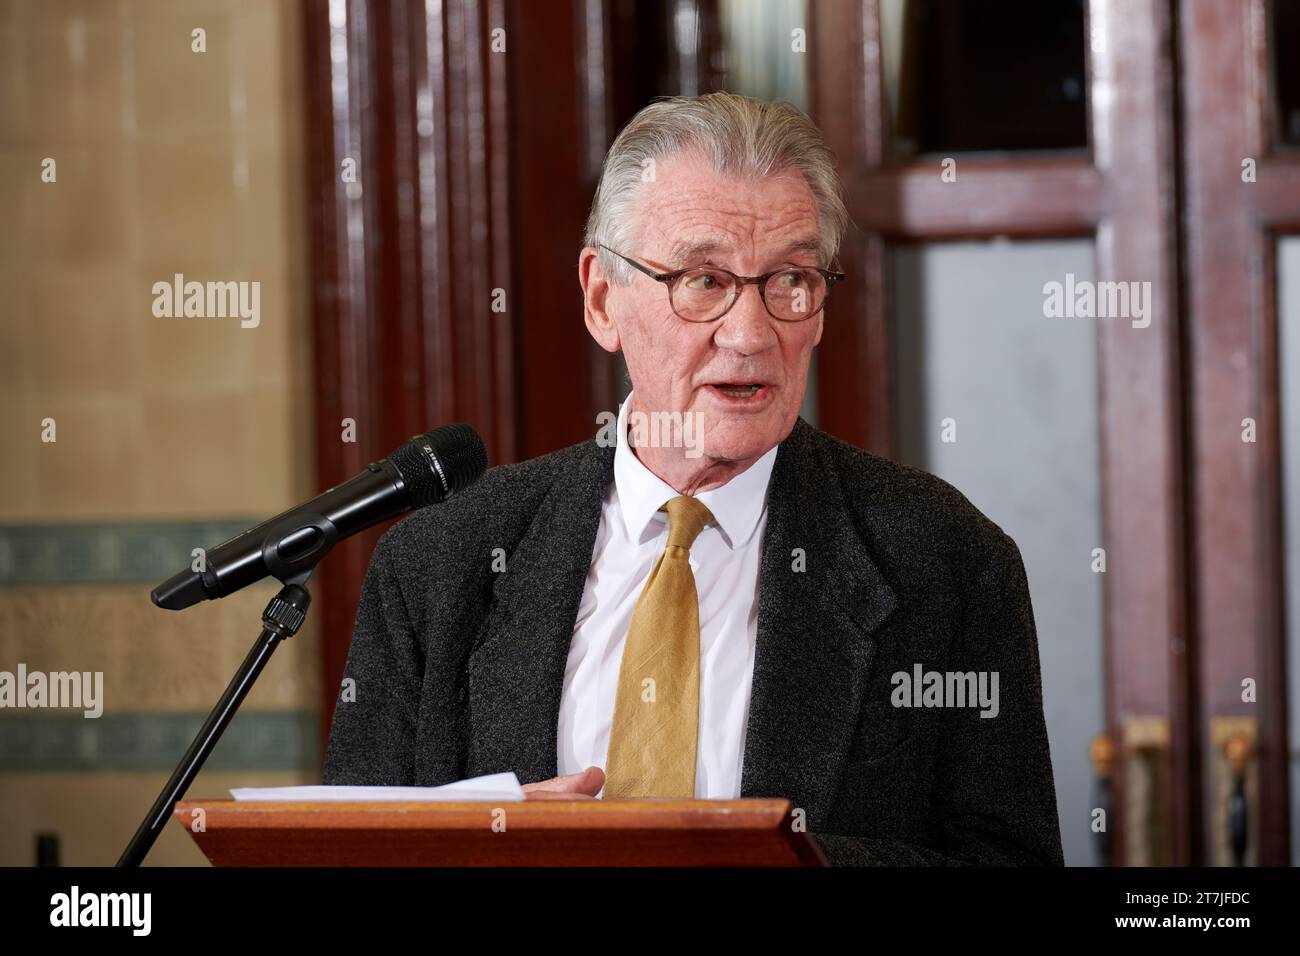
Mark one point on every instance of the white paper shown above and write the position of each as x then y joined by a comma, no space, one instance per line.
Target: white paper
496,786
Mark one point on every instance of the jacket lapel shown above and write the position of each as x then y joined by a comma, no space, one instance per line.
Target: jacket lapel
516,671
814,642
815,626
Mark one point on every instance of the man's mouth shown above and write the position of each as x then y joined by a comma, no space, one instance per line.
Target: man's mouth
736,389
741,394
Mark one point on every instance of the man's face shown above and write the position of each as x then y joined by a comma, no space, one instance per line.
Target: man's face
690,216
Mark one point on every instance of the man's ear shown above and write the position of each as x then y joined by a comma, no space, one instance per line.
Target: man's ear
596,293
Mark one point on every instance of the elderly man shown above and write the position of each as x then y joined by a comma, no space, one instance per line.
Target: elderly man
733,604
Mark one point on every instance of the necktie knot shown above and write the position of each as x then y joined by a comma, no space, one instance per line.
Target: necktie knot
687,517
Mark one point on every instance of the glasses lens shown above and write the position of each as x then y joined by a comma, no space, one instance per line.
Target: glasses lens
701,295
795,293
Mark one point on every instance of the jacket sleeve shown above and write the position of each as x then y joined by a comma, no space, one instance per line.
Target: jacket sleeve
993,776
372,736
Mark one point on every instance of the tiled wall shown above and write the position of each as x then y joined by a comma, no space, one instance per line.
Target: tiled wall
167,161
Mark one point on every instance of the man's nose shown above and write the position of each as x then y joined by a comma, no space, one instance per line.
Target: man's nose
747,326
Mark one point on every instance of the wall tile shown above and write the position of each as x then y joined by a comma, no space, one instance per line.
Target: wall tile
168,161
79,334
75,69
81,218
15,351
153,659
91,470
20,439
180,94
13,85
95,815
183,209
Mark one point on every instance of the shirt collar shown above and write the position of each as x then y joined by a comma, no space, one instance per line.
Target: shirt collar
736,506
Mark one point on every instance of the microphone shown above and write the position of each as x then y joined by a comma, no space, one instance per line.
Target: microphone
426,470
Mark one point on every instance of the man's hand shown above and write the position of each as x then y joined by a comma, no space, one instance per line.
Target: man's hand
576,786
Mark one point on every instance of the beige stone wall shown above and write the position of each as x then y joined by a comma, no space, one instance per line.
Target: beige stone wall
167,161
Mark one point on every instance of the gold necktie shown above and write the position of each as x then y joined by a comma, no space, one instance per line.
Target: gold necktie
653,737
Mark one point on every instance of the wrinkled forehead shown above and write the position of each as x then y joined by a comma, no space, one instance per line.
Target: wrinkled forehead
689,212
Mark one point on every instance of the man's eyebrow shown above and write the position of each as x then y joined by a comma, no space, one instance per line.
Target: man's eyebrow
812,244
687,251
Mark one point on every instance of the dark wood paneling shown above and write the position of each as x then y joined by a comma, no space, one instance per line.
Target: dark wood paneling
1232,322
551,191
1148,641
854,360
1275,196
406,259
1124,195
1029,198
336,88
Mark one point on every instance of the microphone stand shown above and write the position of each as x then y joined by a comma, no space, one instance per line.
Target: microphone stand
280,620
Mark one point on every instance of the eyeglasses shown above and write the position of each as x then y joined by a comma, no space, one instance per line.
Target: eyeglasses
707,293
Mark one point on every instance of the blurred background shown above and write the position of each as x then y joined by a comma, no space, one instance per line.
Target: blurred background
407,183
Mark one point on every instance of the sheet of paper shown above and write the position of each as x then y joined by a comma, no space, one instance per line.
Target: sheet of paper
496,786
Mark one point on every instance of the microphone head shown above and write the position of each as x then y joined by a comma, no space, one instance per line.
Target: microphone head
437,465
180,591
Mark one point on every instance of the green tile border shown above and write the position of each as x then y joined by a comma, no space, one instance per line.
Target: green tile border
135,552
255,740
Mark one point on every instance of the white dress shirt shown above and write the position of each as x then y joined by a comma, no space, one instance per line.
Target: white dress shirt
725,562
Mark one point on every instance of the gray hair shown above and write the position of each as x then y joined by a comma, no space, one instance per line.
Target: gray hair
741,135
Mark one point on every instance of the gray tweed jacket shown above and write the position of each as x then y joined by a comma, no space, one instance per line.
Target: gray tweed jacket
458,667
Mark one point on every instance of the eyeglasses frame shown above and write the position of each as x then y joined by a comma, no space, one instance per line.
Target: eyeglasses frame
668,278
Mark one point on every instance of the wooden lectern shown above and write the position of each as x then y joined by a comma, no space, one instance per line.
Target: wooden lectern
749,832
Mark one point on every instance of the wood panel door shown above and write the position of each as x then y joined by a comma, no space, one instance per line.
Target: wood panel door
1188,183
1242,195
